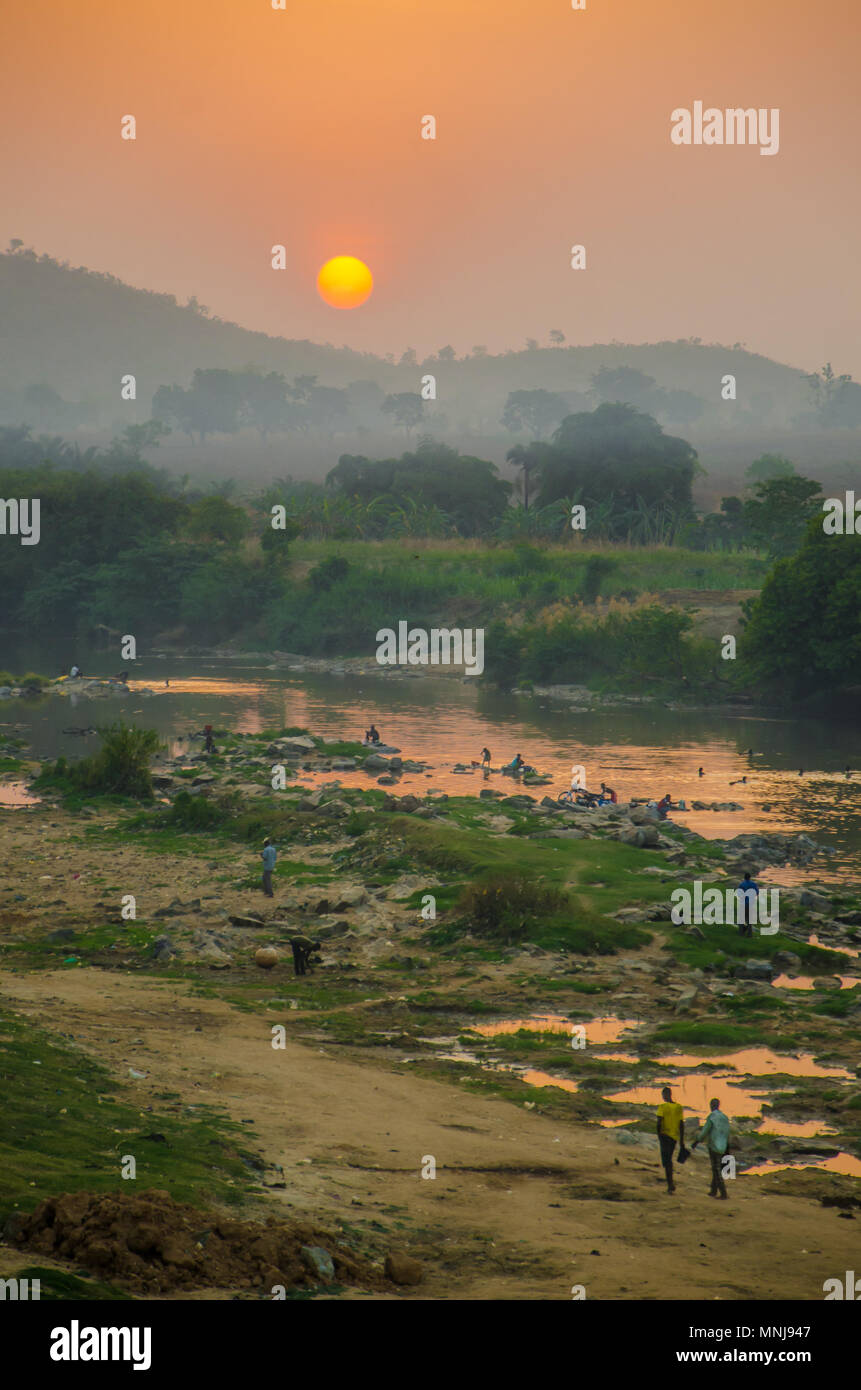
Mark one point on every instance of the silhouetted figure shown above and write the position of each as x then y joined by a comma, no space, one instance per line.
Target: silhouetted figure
209,745
302,947
701,773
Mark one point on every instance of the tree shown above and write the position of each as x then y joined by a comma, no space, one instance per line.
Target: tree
536,411
626,384
528,459
557,337
769,466
407,409
446,354
778,514
618,453
216,519
803,630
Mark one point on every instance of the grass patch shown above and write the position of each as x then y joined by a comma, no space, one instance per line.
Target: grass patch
67,1124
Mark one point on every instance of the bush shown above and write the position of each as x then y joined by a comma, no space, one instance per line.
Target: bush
507,907
194,813
120,768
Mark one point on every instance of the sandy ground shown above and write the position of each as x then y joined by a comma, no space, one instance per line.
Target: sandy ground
521,1207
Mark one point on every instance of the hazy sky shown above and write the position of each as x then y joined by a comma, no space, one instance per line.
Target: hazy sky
257,126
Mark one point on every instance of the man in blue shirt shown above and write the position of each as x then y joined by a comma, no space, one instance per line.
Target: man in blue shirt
747,893
716,1133
268,856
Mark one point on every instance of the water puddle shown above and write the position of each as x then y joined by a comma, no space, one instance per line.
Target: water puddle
695,1092
809,981
844,1164
598,1030
760,1061
16,794
813,940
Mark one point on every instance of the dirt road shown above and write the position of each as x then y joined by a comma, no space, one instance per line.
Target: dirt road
522,1206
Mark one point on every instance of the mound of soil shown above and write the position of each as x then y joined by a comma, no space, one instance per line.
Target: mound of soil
150,1244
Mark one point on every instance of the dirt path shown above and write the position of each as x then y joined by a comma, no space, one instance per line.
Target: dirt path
522,1207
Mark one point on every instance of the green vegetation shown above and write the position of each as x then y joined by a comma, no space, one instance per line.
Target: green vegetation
67,1125
120,768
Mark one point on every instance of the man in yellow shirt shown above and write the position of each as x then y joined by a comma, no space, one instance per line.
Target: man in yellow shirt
671,1129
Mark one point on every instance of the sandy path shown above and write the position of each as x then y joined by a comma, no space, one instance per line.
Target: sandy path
482,1228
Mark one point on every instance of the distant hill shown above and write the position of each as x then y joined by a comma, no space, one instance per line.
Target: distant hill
68,334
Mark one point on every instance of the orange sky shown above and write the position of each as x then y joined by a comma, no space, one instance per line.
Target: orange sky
257,126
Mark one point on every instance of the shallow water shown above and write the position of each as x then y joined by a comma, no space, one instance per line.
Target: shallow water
597,1030
640,751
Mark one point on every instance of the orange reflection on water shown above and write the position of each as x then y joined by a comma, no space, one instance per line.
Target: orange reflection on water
16,794
541,1078
799,1129
760,1061
813,940
808,981
842,1163
598,1030
694,1093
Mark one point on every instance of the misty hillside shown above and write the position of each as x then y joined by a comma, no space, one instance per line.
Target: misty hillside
67,335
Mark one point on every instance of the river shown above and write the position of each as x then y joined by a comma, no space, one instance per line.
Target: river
639,750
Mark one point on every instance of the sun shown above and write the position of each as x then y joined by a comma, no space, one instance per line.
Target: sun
345,282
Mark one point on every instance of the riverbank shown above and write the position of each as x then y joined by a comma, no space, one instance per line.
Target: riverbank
406,1040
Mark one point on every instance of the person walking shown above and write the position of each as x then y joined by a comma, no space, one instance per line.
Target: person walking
747,894
268,856
715,1132
671,1130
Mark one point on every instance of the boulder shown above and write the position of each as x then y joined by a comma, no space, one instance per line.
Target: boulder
827,982
760,970
814,901
319,1262
343,764
246,921
375,763
785,960
163,949
643,836
266,957
403,1269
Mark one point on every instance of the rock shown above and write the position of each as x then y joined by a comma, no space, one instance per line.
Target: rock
386,780
661,912
266,957
696,933
163,949
488,794
686,999
202,778
827,982
755,970
814,901
246,921
349,897
213,956
335,809
375,763
395,764
643,836
521,802
403,1269
785,960
319,1262
62,934
343,764
849,919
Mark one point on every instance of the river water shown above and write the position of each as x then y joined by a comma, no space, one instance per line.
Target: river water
638,750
